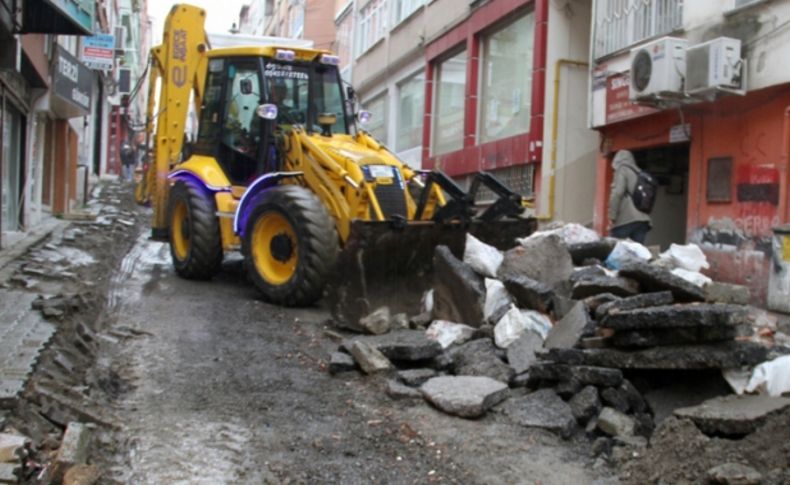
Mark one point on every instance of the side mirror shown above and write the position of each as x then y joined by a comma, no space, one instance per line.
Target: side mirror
267,111
245,85
364,117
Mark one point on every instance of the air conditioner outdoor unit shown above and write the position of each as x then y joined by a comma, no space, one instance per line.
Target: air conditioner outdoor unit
658,67
714,64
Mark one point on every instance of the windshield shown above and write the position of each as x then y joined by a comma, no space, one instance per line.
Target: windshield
302,91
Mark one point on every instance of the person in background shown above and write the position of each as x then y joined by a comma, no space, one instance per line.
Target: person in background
626,221
128,160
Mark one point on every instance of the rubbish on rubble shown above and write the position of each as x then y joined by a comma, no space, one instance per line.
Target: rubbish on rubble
615,423
569,234
652,278
399,391
459,292
415,377
528,293
542,409
497,300
772,377
733,474
481,257
586,404
688,257
464,396
516,322
625,252
370,360
479,358
401,345
545,259
341,362
377,322
567,332
733,415
449,333
697,279
521,353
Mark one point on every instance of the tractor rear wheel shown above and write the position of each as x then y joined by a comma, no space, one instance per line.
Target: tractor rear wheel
195,243
290,245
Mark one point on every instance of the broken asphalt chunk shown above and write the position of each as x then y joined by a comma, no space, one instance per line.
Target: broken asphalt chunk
401,345
615,285
677,316
542,409
567,332
653,278
464,396
369,358
733,415
459,293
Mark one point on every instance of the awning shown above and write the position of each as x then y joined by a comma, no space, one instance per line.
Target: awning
71,17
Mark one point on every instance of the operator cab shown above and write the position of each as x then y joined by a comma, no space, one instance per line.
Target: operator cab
249,101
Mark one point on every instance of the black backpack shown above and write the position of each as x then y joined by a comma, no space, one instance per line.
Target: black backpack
644,194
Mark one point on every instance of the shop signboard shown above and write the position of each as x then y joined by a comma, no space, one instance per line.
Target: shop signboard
72,82
98,51
618,105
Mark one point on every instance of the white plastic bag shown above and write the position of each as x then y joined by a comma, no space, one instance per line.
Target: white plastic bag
692,277
448,333
496,298
484,259
426,303
627,251
689,257
515,322
772,377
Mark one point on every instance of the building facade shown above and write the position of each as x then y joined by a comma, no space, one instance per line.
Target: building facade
296,19
720,155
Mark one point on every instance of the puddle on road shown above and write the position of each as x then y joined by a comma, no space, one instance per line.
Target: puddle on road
143,266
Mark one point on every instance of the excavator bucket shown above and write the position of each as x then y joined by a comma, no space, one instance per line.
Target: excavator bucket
385,263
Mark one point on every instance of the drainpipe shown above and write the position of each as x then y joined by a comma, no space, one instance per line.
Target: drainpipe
555,124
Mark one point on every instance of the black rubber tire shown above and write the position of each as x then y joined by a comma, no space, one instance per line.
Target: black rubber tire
204,255
317,244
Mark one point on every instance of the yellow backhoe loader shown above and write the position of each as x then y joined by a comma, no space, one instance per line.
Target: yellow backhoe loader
280,171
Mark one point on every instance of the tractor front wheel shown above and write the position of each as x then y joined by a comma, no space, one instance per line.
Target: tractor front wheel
195,243
290,245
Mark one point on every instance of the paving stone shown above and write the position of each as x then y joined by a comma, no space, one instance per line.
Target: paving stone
464,396
677,316
733,474
671,336
597,376
377,322
653,278
585,404
402,345
543,258
541,409
369,358
615,423
529,293
659,298
733,415
399,391
599,250
341,362
567,332
727,293
724,355
458,292
479,358
521,353
615,285
416,377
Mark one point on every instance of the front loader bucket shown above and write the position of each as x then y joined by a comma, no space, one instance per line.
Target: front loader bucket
384,263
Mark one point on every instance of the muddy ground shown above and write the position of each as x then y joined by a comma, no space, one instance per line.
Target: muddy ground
201,382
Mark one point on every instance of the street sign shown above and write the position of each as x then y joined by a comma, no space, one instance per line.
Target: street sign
98,51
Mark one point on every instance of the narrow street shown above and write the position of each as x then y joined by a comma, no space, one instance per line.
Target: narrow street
214,386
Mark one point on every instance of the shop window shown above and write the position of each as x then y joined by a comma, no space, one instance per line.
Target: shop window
377,126
448,128
372,24
411,103
507,80
719,179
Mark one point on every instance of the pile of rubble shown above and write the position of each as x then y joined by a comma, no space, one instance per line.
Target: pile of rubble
553,327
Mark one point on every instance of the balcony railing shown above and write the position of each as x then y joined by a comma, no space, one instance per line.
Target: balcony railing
623,23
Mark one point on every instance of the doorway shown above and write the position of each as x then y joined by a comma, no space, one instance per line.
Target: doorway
669,164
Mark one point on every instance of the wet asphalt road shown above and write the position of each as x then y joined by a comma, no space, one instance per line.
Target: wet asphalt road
215,386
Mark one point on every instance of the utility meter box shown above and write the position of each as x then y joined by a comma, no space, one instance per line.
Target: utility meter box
658,67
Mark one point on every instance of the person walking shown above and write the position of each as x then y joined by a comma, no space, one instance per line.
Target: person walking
128,161
626,220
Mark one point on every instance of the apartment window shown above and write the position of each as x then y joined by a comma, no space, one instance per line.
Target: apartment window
297,21
505,91
623,23
377,126
411,104
448,128
372,24
403,8
343,27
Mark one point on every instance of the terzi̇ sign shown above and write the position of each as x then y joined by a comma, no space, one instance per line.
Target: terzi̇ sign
72,80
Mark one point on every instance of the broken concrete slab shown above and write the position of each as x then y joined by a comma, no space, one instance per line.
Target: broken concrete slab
12,446
521,353
723,355
733,474
718,292
645,300
544,259
377,322
369,358
464,396
479,358
671,336
399,391
401,345
585,404
73,448
599,250
733,415
341,362
596,376
567,332
542,409
615,285
615,423
458,292
529,293
416,377
653,278
677,316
